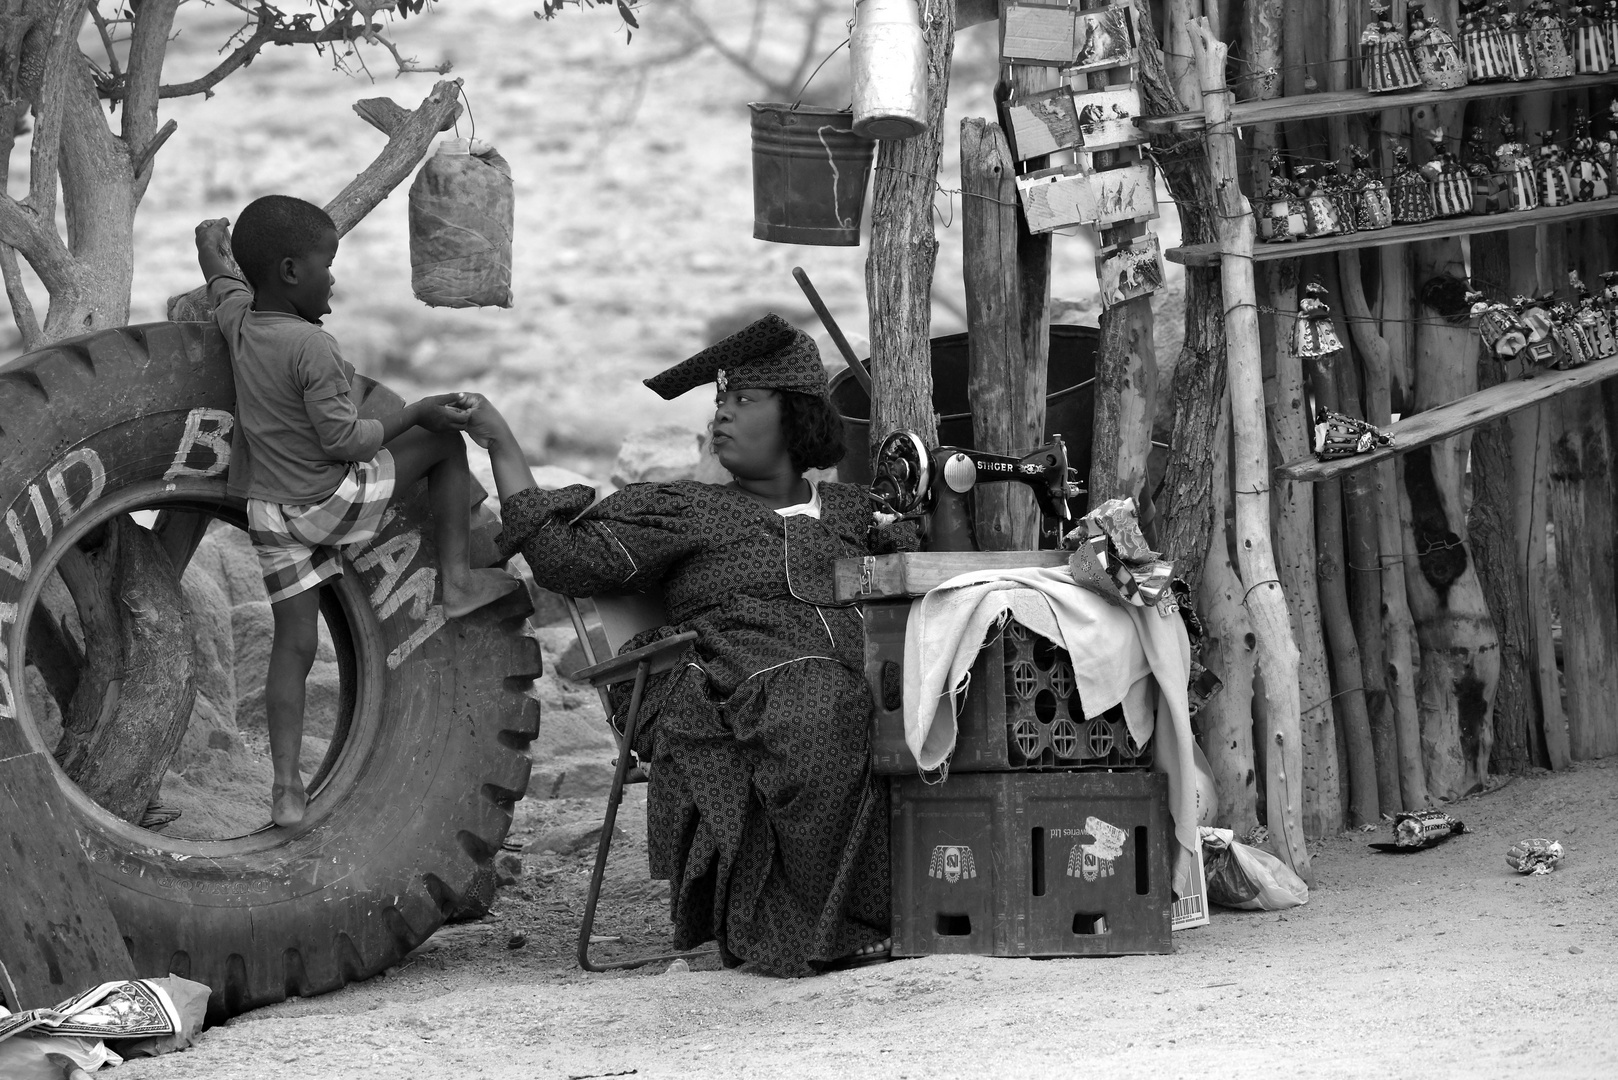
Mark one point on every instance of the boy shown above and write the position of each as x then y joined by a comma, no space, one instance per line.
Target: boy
313,473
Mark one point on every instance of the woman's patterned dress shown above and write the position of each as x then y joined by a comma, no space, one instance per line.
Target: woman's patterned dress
763,813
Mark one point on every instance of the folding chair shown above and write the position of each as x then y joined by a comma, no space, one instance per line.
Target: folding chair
622,615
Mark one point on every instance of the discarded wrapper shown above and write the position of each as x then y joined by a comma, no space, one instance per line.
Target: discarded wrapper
1111,558
1418,830
1340,436
1534,856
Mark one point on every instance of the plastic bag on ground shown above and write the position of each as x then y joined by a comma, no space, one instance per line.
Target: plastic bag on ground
1248,878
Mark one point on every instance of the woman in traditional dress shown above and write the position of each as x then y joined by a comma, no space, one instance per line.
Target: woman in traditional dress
762,813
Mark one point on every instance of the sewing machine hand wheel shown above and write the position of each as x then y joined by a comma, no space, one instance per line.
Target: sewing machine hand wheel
902,474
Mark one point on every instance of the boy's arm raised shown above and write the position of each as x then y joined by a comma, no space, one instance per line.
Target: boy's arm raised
213,249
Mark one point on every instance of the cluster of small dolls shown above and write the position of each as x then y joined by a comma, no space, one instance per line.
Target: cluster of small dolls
1545,39
1325,200
1545,332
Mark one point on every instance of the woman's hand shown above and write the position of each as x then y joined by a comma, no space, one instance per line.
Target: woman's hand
490,431
442,412
484,423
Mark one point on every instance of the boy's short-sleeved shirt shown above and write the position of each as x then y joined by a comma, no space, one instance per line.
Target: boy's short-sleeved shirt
296,427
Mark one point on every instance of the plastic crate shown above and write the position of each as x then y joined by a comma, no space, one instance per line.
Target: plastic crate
1032,864
1021,709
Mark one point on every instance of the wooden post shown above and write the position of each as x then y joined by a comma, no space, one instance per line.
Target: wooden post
1265,603
899,268
1007,391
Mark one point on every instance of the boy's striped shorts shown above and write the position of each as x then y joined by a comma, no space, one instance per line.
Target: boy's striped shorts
297,545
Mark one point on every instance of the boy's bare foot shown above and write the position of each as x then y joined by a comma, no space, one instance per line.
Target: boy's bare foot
478,588
287,804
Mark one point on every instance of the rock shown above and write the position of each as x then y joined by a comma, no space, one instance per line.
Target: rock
214,643
678,967
507,868
568,839
42,706
551,477
226,555
321,700
574,752
666,452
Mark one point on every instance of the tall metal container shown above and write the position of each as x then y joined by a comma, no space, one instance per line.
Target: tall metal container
890,69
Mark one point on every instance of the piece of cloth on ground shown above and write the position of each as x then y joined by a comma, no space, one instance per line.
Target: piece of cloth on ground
1118,653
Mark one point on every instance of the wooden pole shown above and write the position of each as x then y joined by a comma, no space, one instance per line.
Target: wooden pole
1265,603
899,268
1006,390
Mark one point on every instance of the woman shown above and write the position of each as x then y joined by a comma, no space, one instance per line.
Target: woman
762,812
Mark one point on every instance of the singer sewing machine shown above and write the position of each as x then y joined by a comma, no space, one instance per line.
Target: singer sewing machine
911,482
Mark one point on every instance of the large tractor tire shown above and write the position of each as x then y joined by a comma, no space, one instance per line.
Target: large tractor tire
415,797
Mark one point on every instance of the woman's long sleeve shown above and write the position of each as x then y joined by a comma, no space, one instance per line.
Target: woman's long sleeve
623,544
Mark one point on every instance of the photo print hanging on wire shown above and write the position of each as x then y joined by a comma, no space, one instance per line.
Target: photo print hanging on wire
1042,124
1105,38
1038,34
1131,269
1106,118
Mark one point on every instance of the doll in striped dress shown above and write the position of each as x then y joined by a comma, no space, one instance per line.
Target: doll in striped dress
1514,30
1412,202
1551,175
1437,59
1549,36
1591,55
1447,182
1384,55
1372,207
1483,46
1609,26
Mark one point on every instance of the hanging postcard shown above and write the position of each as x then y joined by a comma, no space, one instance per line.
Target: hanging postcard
1126,194
1133,268
1107,118
1057,198
1037,34
1042,124
1105,38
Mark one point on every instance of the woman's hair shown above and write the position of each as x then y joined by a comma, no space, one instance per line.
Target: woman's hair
813,430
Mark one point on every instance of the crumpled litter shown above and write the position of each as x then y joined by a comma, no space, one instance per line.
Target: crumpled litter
138,1017
1112,559
1534,856
1340,436
1248,878
1418,830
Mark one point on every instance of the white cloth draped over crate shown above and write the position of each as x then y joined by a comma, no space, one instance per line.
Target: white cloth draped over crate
1122,654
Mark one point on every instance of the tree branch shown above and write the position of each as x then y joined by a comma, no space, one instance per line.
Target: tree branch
22,309
148,41
61,51
106,39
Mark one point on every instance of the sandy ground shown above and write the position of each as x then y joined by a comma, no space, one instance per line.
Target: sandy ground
1438,964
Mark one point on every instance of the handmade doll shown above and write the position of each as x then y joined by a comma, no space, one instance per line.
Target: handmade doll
1338,436
1412,202
1591,55
1595,332
1502,330
1447,182
1551,176
1542,349
1547,32
1320,210
1285,218
1341,189
1483,46
1384,55
1372,207
1565,329
1512,162
1437,59
1608,135
1514,31
1491,192
1313,335
1591,177
1609,25
1608,300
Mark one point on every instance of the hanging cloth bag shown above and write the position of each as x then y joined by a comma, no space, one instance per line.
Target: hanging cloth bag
461,210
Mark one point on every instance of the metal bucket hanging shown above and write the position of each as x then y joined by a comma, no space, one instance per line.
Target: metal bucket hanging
890,69
810,172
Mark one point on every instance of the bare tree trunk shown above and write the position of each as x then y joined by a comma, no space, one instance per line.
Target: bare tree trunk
899,268
1006,386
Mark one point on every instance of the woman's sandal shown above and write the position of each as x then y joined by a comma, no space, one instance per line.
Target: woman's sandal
879,953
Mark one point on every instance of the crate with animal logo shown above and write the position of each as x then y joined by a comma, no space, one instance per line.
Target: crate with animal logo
1032,864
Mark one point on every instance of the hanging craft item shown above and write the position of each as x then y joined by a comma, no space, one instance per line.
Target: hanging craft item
1105,38
1515,28
1565,328
1549,37
1320,209
1438,59
1130,269
1385,58
1608,301
1513,163
1592,179
1609,24
1313,335
1601,338
1285,219
1412,202
1535,314
1037,34
1107,118
810,172
1483,46
1551,177
1503,332
1340,436
1447,182
1591,55
461,217
1042,123
889,59
1372,207
1607,137
1072,195
1491,191
1337,185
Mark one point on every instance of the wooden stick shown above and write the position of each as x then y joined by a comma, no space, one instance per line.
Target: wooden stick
1266,605
855,368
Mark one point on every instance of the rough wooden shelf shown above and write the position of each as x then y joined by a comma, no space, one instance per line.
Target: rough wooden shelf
1347,102
1456,417
1208,254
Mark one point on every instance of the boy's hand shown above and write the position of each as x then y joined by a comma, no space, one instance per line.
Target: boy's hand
442,412
484,424
213,236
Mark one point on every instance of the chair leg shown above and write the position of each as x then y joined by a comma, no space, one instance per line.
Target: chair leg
604,845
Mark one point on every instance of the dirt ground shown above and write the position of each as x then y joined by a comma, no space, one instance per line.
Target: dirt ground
1443,963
